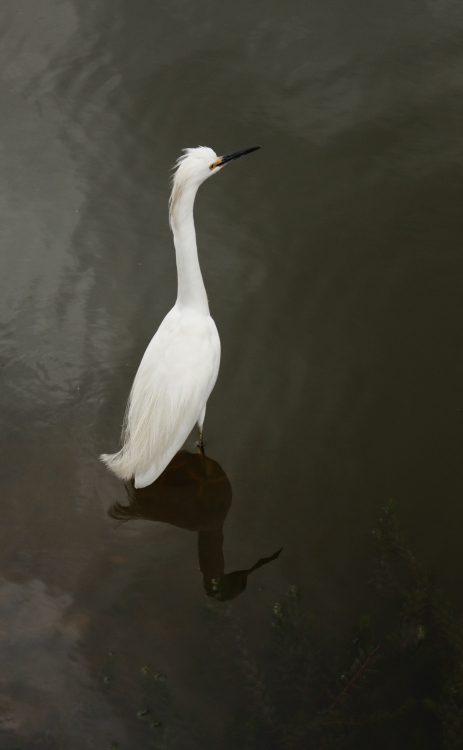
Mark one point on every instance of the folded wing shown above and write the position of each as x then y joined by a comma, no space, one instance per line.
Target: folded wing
170,390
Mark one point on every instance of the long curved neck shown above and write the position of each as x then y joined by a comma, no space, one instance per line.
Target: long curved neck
191,291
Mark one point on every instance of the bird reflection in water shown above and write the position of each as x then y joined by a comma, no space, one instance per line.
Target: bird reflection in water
193,493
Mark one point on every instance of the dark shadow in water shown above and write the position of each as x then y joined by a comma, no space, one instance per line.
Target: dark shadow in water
193,493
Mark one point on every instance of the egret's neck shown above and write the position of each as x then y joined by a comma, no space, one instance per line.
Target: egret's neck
191,290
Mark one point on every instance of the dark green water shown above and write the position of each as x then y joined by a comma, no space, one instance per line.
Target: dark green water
333,264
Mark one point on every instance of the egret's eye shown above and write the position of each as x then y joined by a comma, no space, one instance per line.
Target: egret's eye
216,163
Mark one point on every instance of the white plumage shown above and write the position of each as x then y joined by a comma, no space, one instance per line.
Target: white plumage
180,366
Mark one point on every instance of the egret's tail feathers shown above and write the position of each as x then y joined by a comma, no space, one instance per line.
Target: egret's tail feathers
118,464
156,425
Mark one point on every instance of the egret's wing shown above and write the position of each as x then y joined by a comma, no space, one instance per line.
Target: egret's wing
171,387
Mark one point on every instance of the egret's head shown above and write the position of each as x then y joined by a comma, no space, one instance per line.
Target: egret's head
195,166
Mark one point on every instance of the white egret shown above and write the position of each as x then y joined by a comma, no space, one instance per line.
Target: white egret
180,366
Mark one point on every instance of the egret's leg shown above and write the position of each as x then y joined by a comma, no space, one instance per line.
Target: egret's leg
200,430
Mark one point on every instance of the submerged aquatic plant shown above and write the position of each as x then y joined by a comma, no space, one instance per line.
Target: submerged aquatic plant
383,689
398,683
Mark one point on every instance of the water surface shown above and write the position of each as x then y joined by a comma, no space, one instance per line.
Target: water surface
333,264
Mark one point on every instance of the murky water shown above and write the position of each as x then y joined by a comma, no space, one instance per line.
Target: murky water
333,264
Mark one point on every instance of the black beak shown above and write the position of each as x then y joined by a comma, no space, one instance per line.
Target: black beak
237,154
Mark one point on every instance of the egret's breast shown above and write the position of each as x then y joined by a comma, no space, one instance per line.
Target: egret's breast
186,346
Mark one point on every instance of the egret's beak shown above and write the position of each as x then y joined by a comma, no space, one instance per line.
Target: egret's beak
235,155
